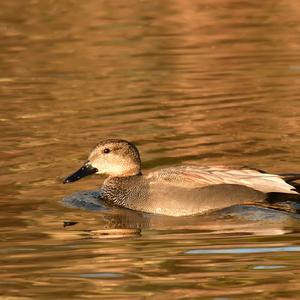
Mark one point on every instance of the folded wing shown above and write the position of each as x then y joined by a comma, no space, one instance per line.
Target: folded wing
192,176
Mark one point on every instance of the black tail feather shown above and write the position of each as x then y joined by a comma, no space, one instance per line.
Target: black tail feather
290,176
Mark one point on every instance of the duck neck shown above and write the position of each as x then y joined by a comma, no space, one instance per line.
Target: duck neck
124,171
119,189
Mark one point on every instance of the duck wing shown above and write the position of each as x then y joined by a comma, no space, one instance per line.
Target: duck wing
193,176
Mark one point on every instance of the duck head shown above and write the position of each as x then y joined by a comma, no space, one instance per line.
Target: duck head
112,157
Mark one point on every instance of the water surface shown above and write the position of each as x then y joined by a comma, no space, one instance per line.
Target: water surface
208,82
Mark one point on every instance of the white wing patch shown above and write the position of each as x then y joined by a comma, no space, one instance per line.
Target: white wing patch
200,176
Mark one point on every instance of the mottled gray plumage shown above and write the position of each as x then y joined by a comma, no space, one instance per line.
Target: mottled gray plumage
175,191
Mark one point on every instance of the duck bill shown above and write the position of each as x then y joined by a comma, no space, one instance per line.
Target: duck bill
85,170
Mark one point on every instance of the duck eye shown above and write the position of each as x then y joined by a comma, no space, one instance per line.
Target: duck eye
106,150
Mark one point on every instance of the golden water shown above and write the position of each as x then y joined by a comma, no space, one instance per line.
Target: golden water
208,82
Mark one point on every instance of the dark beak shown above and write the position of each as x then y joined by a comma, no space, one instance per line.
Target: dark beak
85,170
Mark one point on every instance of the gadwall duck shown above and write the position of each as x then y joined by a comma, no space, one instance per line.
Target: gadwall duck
180,190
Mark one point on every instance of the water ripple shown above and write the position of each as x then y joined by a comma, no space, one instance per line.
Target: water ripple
244,250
